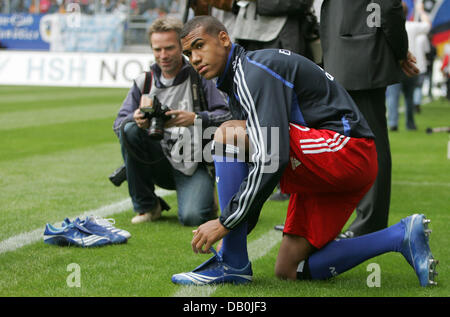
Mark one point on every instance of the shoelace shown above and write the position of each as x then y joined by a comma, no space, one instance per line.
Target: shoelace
106,222
75,225
216,254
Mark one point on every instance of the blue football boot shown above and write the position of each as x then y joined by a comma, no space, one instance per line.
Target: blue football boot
107,224
416,249
73,234
215,271
90,224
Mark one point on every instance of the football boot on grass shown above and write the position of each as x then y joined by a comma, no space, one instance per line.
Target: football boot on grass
416,249
215,271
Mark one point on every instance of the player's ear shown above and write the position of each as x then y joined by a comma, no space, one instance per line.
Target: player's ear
224,38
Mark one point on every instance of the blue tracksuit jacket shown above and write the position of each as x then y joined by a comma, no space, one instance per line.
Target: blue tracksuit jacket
269,89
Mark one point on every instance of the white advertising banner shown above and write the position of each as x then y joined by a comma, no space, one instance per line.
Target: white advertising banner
83,33
72,69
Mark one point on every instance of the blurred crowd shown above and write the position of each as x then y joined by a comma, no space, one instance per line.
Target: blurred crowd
418,29
133,7
417,90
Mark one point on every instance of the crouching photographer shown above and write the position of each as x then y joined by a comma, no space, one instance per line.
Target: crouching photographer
161,106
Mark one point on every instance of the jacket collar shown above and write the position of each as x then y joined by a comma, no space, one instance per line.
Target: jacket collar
225,80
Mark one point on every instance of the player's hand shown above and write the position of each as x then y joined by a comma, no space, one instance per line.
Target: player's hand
225,5
180,118
409,65
200,7
206,235
139,118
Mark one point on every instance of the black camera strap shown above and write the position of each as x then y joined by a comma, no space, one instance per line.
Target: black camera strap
147,82
198,95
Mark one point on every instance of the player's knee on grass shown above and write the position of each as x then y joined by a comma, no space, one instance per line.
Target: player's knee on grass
293,250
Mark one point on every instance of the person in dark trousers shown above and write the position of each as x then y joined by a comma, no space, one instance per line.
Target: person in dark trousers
365,47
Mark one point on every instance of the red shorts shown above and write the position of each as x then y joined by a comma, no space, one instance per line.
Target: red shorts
327,176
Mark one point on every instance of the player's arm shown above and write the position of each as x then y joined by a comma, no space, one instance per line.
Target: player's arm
393,26
128,108
217,110
265,101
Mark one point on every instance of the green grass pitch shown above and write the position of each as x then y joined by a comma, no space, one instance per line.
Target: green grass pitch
57,149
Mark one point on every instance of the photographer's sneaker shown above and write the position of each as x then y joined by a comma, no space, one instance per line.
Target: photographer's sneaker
215,271
416,249
73,234
152,215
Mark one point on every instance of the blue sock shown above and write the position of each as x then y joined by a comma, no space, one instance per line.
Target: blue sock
341,255
229,175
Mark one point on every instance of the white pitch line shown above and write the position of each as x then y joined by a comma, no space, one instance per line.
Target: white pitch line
256,249
261,246
195,291
26,238
421,183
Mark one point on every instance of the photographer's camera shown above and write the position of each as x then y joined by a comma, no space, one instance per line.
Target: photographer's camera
156,114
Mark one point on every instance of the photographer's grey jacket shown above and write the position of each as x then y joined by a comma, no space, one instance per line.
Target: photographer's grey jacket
178,96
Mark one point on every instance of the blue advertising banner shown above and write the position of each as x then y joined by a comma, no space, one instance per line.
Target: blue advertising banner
21,32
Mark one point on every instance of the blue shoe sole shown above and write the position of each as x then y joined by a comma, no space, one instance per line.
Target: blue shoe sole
62,240
193,279
214,271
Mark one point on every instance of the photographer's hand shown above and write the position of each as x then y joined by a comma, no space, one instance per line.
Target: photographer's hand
140,119
181,118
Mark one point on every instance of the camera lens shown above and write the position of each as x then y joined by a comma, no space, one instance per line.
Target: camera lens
156,131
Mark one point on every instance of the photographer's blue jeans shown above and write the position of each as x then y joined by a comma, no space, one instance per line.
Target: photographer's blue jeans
393,100
195,194
392,104
408,87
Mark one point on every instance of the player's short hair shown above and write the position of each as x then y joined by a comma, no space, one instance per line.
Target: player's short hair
210,24
166,24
